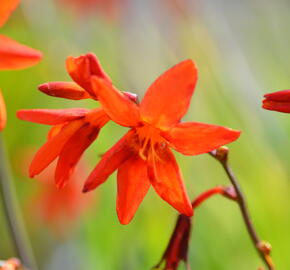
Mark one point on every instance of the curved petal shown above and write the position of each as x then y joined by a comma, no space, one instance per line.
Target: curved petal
110,162
14,55
133,185
83,67
167,181
51,149
6,7
51,117
3,115
68,90
168,98
193,138
72,152
117,105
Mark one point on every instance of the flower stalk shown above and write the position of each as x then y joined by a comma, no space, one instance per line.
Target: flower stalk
13,217
262,247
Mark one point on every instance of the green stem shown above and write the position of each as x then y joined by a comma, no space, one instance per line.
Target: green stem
11,211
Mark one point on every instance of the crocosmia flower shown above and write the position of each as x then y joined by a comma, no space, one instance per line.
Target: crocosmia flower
277,101
73,130
143,157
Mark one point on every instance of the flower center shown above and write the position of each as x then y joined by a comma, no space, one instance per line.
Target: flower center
150,142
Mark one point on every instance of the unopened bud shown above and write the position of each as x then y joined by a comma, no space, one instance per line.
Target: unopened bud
264,247
222,153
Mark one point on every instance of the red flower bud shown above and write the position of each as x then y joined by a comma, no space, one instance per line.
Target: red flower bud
277,101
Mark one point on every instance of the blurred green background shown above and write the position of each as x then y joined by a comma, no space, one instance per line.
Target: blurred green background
242,51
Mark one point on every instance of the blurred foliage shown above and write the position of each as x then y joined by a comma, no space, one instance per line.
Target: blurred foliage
242,51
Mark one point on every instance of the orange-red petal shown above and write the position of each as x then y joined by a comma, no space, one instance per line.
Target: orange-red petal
6,7
110,162
72,152
51,149
167,181
82,68
50,116
68,90
168,98
3,115
133,185
119,107
193,138
14,55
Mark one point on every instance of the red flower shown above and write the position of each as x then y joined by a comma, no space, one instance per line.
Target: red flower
58,208
12,54
143,156
73,129
277,101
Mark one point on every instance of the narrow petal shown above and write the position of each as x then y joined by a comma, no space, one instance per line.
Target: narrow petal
166,179
276,106
133,185
168,98
72,152
110,162
3,116
193,138
51,117
68,90
117,105
283,96
6,7
51,149
83,67
14,55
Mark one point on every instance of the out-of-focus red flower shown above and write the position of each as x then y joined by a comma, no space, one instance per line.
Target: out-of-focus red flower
11,264
73,129
277,101
143,156
58,208
13,55
110,9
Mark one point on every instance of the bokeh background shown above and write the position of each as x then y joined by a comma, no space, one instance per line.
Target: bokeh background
242,51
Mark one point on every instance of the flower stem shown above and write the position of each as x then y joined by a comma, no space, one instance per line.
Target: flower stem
13,217
262,247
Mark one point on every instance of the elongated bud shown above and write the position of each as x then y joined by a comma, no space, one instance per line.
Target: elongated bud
68,90
177,248
277,101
